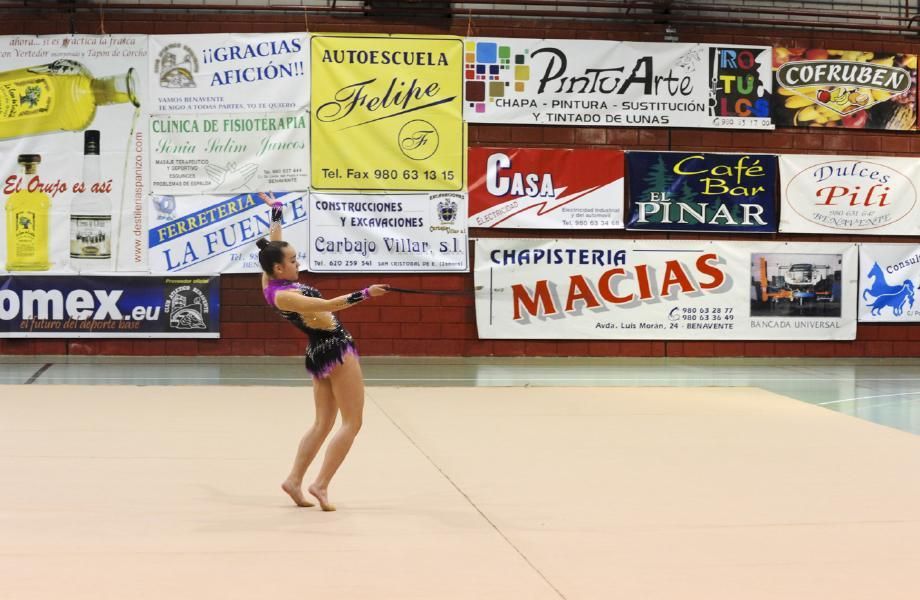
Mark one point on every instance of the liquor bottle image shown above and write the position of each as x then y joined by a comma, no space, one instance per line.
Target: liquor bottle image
91,214
27,224
61,96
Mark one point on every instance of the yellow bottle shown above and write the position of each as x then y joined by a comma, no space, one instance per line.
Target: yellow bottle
59,96
27,216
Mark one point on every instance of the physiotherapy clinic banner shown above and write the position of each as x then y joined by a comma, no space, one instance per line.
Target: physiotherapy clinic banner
389,233
546,188
70,306
387,113
660,289
626,84
678,191
889,275
853,195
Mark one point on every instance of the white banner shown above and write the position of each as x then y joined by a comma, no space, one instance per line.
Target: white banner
602,83
660,289
389,233
229,73
889,274
225,154
849,194
217,234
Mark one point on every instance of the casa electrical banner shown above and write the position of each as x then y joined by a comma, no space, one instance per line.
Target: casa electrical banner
844,88
664,289
387,113
889,275
679,191
73,153
392,233
849,194
547,188
224,154
603,83
217,234
68,306
229,73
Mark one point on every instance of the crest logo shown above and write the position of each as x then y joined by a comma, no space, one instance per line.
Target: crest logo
447,211
885,295
187,308
176,66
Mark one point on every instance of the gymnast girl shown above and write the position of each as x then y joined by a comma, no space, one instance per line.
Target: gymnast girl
331,358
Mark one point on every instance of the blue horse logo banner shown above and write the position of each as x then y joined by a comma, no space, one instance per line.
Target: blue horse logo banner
888,277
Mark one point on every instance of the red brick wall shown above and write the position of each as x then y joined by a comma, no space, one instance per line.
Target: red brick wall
418,325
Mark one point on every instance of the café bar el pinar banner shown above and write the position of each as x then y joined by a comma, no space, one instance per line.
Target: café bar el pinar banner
664,289
889,276
625,84
851,89
871,195
546,188
387,113
679,191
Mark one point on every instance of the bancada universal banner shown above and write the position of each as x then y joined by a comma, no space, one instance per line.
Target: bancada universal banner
677,191
387,113
889,275
659,289
61,306
73,153
546,188
603,83
849,194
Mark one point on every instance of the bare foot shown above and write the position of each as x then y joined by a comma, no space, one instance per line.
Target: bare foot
320,494
296,494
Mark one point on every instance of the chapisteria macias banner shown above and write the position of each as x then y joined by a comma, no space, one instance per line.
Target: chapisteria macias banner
387,113
661,289
603,83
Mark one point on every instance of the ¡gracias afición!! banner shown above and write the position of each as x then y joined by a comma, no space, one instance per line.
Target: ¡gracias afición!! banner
601,83
49,306
657,289
889,275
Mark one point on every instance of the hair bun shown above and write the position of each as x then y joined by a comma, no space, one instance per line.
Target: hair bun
262,243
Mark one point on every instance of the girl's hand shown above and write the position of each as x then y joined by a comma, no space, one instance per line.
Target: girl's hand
268,198
378,289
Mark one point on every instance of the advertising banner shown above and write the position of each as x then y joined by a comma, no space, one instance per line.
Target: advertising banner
603,83
68,306
229,73
217,234
229,153
889,274
844,88
387,113
72,153
392,233
849,194
546,188
661,289
678,191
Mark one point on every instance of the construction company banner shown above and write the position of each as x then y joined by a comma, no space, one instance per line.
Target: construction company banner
664,289
889,275
849,194
678,191
229,73
73,153
68,306
547,188
387,113
844,88
392,233
224,154
217,234
602,83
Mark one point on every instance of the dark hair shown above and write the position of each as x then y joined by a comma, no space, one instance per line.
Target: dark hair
270,254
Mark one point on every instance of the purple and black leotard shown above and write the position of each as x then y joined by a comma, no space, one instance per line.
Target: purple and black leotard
328,347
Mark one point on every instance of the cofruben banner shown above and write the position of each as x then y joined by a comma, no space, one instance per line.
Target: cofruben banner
387,113
679,191
629,84
889,275
659,289
854,195
542,188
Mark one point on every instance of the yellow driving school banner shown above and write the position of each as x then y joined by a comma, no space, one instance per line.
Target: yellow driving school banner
387,113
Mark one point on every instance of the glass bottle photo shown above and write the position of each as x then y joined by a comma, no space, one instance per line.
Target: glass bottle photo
27,216
91,214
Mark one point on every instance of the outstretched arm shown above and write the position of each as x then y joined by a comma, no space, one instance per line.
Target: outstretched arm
293,302
274,231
